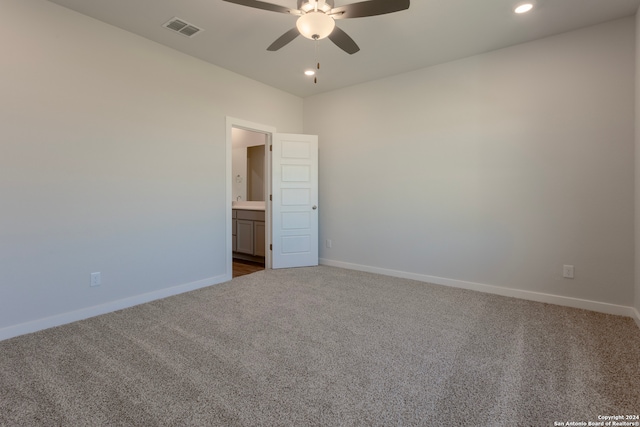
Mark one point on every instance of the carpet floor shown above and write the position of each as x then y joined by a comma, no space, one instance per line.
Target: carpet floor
324,346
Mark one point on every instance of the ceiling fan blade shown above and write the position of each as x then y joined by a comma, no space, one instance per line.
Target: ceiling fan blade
284,39
369,8
343,41
264,6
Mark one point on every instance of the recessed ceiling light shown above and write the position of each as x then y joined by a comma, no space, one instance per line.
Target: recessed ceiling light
309,73
523,8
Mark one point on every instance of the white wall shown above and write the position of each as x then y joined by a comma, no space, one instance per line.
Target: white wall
496,169
112,159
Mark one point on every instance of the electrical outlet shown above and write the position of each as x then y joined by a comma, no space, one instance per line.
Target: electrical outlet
567,271
328,243
96,280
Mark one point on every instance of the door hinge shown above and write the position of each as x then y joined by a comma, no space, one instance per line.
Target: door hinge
271,148
270,247
271,197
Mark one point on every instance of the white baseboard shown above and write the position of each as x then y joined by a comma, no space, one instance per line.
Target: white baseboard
85,313
601,307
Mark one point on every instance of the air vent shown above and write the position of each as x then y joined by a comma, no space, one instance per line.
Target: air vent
181,26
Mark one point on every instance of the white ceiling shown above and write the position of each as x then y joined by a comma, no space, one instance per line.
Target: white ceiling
428,33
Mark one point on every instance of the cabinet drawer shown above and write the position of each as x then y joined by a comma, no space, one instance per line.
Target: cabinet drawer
251,215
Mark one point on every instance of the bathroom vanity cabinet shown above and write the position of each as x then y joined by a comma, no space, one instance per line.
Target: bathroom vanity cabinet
248,232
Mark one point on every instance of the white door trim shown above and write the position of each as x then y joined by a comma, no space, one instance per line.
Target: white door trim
232,122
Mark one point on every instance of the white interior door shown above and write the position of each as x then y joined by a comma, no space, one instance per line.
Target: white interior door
294,161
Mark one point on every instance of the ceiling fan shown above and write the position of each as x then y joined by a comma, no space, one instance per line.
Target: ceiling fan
316,19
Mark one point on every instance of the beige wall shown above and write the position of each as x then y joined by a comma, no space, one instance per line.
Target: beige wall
112,160
493,170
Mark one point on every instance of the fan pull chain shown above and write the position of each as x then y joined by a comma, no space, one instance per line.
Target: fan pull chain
315,79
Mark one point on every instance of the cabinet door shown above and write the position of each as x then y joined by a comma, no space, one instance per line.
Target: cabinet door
244,236
234,228
259,238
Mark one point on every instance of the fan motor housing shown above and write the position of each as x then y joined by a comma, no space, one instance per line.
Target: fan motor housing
307,5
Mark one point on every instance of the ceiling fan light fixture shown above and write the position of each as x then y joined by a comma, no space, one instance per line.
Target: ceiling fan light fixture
315,25
523,8
309,73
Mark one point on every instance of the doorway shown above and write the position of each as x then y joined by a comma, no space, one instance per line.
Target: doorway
249,184
248,203
290,217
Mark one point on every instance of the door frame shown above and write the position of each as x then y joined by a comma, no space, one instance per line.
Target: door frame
232,122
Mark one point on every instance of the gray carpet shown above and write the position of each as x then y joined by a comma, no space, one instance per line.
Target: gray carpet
328,347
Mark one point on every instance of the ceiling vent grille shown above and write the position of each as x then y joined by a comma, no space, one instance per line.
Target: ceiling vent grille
181,26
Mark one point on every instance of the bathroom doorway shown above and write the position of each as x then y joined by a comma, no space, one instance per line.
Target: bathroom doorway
290,220
250,220
249,204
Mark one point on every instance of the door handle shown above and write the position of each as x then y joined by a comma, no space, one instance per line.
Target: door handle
314,207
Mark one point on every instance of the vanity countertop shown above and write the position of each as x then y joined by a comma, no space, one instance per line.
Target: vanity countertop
248,206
